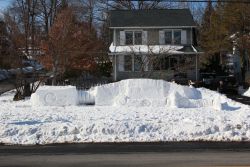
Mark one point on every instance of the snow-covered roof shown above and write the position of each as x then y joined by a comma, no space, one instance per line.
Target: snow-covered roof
153,49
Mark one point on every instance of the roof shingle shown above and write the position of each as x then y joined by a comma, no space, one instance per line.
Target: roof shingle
151,18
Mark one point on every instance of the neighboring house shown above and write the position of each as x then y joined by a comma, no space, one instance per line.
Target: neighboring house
234,62
158,43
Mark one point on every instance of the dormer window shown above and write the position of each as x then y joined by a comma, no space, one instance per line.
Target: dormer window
133,37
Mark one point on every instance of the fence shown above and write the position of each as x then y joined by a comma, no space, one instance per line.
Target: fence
87,81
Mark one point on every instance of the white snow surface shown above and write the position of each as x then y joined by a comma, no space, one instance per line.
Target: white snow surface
247,93
55,96
155,49
153,93
165,112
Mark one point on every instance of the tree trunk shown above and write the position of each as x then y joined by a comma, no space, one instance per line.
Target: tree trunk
26,91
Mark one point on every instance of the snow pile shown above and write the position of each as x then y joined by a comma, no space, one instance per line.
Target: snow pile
55,96
155,93
247,93
132,92
167,112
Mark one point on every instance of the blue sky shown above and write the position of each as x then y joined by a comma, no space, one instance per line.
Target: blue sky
4,4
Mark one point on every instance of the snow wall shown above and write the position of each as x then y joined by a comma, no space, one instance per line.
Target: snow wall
55,96
131,92
154,93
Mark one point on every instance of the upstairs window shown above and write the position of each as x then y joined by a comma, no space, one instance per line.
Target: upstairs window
129,37
168,37
171,36
137,37
133,37
177,37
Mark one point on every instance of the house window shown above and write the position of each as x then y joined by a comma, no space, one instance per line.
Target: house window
177,37
138,37
172,37
129,37
165,63
138,63
158,63
133,37
173,63
128,63
168,37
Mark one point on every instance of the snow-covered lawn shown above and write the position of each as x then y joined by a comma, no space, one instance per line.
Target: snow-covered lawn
246,93
199,119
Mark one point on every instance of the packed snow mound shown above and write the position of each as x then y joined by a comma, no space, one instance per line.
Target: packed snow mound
220,119
55,96
132,92
147,92
247,93
157,93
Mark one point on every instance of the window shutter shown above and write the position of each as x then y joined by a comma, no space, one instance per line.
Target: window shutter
122,37
183,37
121,63
144,37
161,37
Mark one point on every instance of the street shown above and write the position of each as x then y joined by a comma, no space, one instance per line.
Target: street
172,159
125,154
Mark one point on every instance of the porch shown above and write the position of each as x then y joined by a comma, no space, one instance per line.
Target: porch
180,67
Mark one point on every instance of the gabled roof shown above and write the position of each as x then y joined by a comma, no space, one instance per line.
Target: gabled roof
151,18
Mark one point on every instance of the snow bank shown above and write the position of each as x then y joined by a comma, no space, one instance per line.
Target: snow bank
192,115
132,92
247,93
156,93
55,96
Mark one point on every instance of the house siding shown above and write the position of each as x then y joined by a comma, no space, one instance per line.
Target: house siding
156,74
153,36
165,75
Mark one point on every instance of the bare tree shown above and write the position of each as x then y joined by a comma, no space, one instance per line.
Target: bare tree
148,58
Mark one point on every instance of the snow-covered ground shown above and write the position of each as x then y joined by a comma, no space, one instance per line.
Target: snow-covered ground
127,111
246,93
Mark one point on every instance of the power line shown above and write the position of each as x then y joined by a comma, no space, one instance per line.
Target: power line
198,1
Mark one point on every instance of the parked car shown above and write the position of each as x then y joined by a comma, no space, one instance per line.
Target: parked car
33,63
223,84
4,74
207,79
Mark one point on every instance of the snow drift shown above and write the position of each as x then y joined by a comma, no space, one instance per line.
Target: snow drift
123,113
154,93
131,92
247,93
55,96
